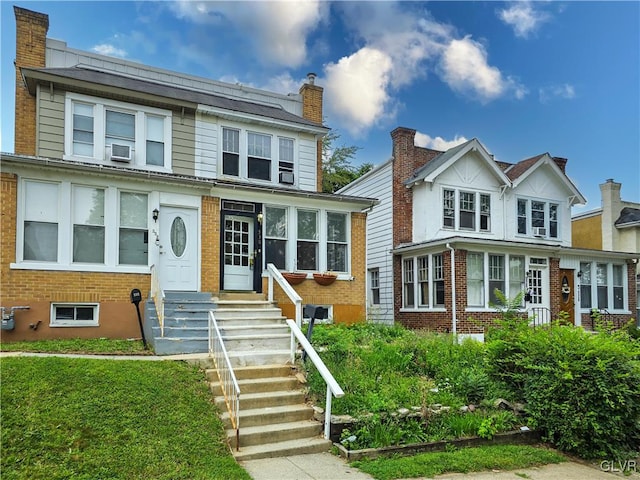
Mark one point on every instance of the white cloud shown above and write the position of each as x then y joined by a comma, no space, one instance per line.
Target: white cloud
465,69
278,30
437,143
523,17
110,50
356,88
564,91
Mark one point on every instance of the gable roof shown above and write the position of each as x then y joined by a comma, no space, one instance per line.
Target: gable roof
629,217
75,76
437,165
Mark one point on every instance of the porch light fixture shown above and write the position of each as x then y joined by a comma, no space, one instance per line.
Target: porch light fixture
260,217
155,214
580,274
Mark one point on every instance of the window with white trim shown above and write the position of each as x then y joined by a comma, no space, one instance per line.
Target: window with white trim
475,279
537,218
463,210
408,283
230,152
438,280
487,272
117,133
41,219
133,235
285,160
496,277
337,242
308,241
259,156
603,286
74,315
88,224
275,234
516,276
423,281
374,286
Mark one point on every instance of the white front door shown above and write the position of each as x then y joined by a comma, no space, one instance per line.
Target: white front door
179,254
538,290
238,253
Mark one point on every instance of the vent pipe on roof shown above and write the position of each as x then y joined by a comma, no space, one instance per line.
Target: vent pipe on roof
311,77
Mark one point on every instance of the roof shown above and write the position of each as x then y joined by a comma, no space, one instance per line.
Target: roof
628,217
183,95
522,166
436,162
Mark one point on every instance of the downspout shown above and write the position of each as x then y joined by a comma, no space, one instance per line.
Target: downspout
454,319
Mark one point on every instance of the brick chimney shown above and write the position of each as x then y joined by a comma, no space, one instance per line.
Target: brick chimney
312,110
31,40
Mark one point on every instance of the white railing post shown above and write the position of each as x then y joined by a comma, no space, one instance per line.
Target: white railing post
158,297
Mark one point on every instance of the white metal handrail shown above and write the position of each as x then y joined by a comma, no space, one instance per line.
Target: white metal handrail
274,274
226,375
332,386
158,297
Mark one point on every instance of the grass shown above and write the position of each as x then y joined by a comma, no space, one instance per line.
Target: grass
499,457
79,345
90,419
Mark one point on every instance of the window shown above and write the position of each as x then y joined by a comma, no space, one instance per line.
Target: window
602,283
423,281
603,286
337,242
496,277
537,218
475,279
230,152
275,232
449,209
374,285
618,287
516,276
88,224
585,285
83,130
285,159
133,237
40,221
74,315
407,281
307,254
467,211
473,211
259,156
438,280
97,129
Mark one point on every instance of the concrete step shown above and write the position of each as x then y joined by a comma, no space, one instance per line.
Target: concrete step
178,345
248,312
240,296
182,322
255,385
173,295
251,401
279,432
263,371
270,415
254,329
243,343
244,321
259,357
283,449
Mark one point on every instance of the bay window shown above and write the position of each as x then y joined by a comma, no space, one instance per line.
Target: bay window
275,233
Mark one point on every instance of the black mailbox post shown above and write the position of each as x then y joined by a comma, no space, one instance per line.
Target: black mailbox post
136,298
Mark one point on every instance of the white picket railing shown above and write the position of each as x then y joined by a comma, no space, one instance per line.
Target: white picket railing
227,377
158,297
333,389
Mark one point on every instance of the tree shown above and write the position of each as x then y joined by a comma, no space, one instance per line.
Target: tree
337,170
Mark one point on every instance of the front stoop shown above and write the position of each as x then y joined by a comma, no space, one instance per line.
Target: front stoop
274,419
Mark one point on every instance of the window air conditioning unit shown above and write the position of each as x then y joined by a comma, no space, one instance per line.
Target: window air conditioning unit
286,177
539,232
120,153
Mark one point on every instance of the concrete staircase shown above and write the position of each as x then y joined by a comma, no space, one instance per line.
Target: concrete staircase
274,419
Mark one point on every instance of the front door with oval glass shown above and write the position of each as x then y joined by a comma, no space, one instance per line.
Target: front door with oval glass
238,253
178,248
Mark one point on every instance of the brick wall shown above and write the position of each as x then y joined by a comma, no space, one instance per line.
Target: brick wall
312,110
210,245
31,35
348,297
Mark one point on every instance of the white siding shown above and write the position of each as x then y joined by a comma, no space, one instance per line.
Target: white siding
307,169
206,161
378,184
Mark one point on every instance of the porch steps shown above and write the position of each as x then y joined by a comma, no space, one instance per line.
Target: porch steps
274,419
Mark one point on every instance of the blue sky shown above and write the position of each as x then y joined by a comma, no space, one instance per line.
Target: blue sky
523,77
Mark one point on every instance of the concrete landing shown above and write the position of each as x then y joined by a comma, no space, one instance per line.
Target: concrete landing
317,466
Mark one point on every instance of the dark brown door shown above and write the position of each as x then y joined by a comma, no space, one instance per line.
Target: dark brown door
567,295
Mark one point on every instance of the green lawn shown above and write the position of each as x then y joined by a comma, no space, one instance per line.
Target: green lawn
79,345
100,419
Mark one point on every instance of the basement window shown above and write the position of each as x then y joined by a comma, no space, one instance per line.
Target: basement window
74,315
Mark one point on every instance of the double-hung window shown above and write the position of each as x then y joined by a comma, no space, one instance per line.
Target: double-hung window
88,224
516,276
496,277
463,210
308,244
618,287
585,285
82,129
285,160
259,156
155,140
438,280
120,130
537,218
374,285
230,152
337,242
423,281
408,283
603,286
475,279
41,218
133,234
275,233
